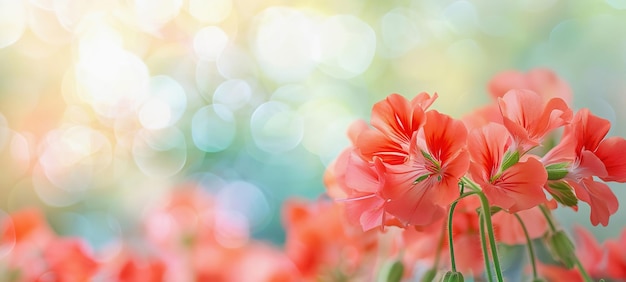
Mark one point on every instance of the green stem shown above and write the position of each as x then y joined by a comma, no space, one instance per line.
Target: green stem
529,243
487,214
548,215
583,272
471,184
492,238
483,242
450,240
450,216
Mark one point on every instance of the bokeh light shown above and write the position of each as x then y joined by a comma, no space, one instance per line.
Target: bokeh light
346,46
213,128
276,128
160,153
209,43
12,21
285,43
210,11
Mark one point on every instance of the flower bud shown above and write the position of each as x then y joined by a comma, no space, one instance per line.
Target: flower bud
562,192
392,272
429,276
562,248
453,276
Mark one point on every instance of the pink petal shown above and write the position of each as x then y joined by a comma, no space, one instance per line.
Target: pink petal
396,118
372,143
444,135
610,151
600,198
362,176
520,187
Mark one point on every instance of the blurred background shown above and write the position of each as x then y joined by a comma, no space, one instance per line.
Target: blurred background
106,106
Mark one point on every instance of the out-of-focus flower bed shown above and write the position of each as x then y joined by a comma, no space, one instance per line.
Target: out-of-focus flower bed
128,128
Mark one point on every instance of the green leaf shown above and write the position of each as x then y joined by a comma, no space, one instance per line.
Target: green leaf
562,193
557,171
510,159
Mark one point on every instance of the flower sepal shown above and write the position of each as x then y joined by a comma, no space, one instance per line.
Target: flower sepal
453,276
562,193
429,276
561,248
557,171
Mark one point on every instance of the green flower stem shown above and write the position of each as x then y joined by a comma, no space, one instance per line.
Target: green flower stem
548,215
473,186
529,243
492,238
450,216
487,214
483,242
583,272
450,240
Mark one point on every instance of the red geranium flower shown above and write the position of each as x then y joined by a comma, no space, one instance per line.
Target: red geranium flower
514,187
585,154
528,118
394,119
418,190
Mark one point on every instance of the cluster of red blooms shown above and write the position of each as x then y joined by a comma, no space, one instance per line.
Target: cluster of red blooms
180,241
411,166
415,195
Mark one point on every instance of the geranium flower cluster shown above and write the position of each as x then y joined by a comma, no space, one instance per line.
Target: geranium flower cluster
412,165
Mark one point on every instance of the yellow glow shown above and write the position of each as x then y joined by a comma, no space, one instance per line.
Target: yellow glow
46,26
209,43
12,21
153,14
213,11
76,149
155,114
347,46
112,80
285,43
